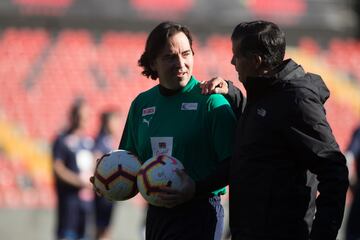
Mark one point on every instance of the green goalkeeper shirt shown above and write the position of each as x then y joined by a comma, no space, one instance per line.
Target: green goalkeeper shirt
196,129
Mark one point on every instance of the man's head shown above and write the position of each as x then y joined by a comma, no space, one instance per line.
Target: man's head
168,55
258,47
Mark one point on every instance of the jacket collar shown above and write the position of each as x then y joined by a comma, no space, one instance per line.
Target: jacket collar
256,86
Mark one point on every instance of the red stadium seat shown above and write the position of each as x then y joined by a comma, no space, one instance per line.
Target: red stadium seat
73,63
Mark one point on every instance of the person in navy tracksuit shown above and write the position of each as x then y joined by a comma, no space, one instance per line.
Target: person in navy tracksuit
72,165
353,157
105,142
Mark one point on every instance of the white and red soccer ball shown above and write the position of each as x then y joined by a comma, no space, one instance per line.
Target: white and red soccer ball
115,175
157,172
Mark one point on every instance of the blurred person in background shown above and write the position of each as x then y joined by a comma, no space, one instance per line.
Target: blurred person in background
282,133
73,162
353,159
105,141
174,118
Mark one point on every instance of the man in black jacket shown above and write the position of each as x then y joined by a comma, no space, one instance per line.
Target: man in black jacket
282,134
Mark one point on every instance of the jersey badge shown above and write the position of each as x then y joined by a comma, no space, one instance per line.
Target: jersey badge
148,111
189,106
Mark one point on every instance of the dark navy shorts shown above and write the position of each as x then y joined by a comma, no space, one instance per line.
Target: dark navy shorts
352,227
103,212
201,218
71,214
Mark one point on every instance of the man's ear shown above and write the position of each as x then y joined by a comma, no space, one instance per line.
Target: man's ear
257,61
153,67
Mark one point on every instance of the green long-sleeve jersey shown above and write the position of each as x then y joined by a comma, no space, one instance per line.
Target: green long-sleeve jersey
196,129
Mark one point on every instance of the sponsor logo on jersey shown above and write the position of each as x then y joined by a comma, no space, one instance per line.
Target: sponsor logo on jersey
162,145
148,111
147,121
189,106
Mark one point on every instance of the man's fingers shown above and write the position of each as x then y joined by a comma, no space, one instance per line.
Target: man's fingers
173,197
169,200
95,189
203,87
167,190
216,90
221,84
92,179
168,197
214,85
181,173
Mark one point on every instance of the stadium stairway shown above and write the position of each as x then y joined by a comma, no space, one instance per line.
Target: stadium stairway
25,170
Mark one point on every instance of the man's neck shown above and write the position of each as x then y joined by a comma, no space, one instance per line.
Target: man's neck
168,92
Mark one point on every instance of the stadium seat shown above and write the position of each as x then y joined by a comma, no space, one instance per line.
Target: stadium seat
75,63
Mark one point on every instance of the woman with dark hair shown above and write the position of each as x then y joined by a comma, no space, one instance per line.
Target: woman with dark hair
72,163
353,161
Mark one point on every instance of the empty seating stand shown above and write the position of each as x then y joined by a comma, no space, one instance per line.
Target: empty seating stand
42,72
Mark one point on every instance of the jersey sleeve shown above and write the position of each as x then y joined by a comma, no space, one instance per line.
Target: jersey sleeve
236,99
354,146
59,150
127,141
222,123
98,145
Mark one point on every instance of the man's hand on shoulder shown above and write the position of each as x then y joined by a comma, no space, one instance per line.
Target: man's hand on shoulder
214,85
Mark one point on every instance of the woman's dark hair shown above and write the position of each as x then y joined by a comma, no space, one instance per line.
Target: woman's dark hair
104,121
263,38
156,41
74,114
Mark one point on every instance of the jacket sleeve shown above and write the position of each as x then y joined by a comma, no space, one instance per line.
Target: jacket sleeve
216,180
315,146
236,99
354,146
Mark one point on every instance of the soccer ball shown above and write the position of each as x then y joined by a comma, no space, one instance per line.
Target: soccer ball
115,175
156,172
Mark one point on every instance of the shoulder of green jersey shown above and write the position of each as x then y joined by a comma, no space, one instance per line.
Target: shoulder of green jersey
141,102
150,93
217,100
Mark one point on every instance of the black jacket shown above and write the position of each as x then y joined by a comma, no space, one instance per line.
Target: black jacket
282,133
